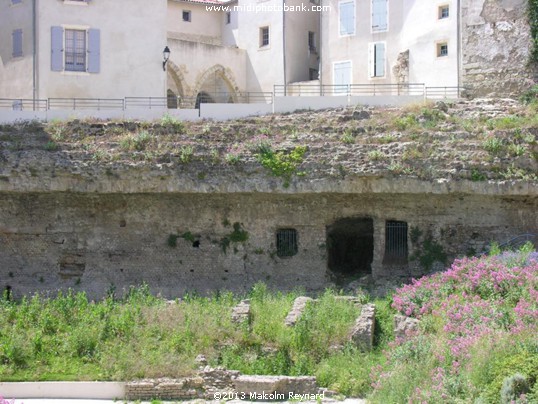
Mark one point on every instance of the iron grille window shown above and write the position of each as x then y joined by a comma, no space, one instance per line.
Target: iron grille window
395,241
75,50
286,242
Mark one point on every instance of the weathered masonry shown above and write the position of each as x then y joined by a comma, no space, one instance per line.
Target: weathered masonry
98,239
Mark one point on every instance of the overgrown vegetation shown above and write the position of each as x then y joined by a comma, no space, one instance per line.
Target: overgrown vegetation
532,11
281,163
477,336
476,342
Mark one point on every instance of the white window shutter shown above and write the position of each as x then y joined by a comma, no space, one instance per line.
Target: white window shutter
371,61
94,50
57,48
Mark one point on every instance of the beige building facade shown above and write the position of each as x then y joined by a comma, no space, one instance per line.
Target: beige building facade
77,48
222,50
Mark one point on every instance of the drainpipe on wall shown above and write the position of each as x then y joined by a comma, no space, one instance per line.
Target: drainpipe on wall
284,45
459,39
320,50
34,54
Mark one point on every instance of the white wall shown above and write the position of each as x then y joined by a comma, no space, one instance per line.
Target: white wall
132,42
412,25
223,112
230,31
15,72
422,30
299,59
205,26
264,64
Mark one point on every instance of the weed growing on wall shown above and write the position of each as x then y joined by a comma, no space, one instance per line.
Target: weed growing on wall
532,11
238,235
280,163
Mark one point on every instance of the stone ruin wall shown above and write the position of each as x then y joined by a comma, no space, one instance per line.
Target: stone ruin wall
100,242
496,44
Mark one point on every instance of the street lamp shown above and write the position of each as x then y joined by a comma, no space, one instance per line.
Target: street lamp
166,56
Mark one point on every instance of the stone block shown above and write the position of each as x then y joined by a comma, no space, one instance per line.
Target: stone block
297,310
241,312
362,334
405,326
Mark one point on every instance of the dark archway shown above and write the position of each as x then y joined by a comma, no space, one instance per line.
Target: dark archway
171,100
203,98
350,246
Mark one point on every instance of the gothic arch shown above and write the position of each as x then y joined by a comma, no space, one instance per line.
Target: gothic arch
215,73
175,80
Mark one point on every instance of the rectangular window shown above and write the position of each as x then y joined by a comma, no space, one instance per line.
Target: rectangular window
264,36
346,17
186,16
228,17
286,242
313,74
75,50
341,77
442,49
379,15
395,242
311,41
443,12
377,59
17,43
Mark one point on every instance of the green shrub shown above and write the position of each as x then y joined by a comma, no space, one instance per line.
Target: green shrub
513,387
168,121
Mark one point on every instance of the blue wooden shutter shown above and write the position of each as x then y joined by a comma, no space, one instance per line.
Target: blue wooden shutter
57,48
94,50
379,15
17,43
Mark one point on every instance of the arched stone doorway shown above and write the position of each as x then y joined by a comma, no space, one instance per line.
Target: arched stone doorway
216,85
175,85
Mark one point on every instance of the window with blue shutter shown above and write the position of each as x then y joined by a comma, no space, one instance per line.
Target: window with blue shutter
57,48
94,50
17,43
379,15
346,17
16,1
75,50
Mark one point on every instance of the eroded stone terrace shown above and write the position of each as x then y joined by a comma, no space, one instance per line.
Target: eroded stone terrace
477,140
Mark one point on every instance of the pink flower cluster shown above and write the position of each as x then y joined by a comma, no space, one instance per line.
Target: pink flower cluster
475,300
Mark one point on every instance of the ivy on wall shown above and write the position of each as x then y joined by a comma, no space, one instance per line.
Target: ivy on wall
533,22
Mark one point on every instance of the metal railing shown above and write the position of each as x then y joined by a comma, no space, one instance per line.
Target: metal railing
22,104
145,102
444,92
349,89
86,103
173,102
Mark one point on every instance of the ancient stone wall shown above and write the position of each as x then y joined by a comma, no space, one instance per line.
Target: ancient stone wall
496,44
182,242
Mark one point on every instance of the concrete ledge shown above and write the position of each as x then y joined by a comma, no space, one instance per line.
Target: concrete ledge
74,390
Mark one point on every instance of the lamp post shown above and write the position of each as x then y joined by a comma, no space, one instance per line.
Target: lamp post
166,56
